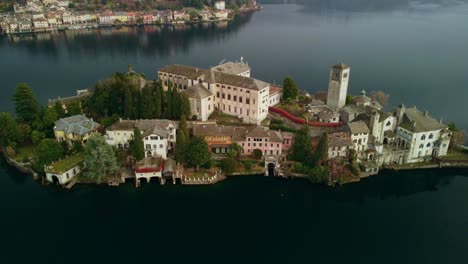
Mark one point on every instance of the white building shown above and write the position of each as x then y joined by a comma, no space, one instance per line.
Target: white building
359,135
244,97
40,23
201,102
276,93
338,86
220,5
159,136
63,171
422,135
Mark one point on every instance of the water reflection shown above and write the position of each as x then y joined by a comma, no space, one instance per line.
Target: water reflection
146,40
326,6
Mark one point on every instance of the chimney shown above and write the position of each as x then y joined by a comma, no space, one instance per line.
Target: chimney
426,113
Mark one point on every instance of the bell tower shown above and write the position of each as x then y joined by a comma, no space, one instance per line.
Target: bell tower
338,86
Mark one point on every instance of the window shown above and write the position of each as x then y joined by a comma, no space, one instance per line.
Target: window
421,146
431,136
388,123
148,146
229,97
423,137
223,96
428,145
161,146
253,101
240,99
235,98
247,101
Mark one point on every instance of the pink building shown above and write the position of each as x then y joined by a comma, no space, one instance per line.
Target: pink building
148,19
270,142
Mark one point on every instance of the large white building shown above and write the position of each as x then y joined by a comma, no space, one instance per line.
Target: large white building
234,93
159,136
338,86
422,135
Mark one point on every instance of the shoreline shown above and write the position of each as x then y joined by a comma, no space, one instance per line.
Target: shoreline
442,164
96,25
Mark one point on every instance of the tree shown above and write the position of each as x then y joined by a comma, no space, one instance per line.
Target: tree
128,103
48,120
168,109
147,104
380,97
8,129
458,137
229,165
74,108
26,106
100,159
301,148
319,174
183,126
193,15
48,151
184,105
236,151
257,153
181,146
353,165
290,90
59,109
37,136
136,146
349,99
321,153
158,100
321,95
197,153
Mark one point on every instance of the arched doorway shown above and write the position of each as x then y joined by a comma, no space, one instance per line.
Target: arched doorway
55,180
385,141
271,169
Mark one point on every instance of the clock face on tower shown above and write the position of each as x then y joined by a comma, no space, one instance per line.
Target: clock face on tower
336,75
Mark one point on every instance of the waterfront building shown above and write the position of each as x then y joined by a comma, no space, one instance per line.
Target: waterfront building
359,135
106,18
204,15
221,14
40,23
201,101
149,167
244,97
422,135
338,86
218,138
339,145
220,5
74,128
269,142
63,171
159,135
148,18
121,17
221,138
178,15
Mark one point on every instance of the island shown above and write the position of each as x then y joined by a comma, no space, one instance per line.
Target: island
53,15
193,125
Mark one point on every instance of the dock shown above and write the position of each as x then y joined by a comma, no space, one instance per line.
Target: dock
70,184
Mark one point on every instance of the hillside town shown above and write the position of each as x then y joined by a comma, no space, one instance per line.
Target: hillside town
196,126
52,15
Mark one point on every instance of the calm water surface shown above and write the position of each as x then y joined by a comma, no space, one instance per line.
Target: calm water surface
417,53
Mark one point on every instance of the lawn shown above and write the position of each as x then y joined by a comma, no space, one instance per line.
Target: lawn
25,152
67,163
456,155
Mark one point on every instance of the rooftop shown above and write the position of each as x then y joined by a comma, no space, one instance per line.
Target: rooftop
198,92
340,66
188,71
232,67
340,139
358,127
66,164
77,124
417,121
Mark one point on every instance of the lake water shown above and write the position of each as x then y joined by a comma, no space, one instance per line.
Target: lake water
417,53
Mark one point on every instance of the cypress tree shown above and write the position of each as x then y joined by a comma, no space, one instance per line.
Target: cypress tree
26,106
147,103
184,105
59,109
128,103
158,101
137,147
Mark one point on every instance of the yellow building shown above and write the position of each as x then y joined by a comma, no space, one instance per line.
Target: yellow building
74,128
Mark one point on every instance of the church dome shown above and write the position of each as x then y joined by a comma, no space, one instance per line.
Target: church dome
363,99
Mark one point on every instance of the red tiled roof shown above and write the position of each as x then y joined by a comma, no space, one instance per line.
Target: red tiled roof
274,89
